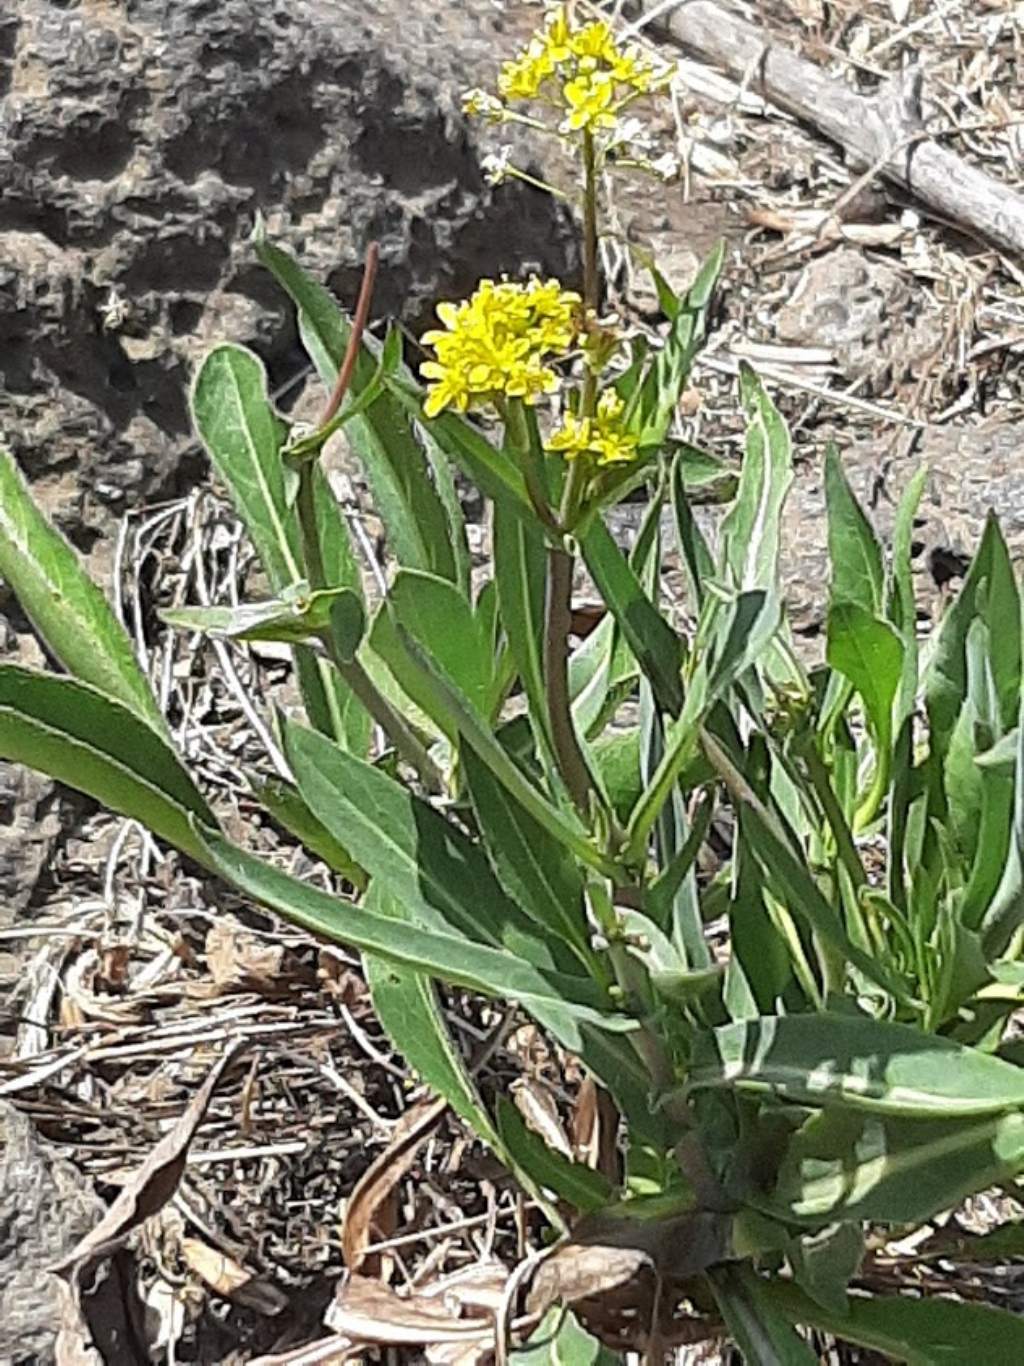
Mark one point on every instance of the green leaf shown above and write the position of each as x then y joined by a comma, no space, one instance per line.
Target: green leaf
405,1002
440,876
751,528
579,1186
858,1063
520,573
461,441
396,466
449,956
447,702
826,1261
292,617
761,1330
537,872
657,647
616,761
858,574
931,1331
558,1340
68,610
348,624
902,609
868,652
844,1164
797,889
244,437
286,807
75,733
435,613
988,591
697,557
664,381
1006,911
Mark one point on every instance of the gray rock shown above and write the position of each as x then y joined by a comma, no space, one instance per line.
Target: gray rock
971,471
138,142
45,1207
861,310
29,828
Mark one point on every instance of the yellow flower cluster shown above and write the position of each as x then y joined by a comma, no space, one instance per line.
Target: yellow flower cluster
583,72
600,438
499,342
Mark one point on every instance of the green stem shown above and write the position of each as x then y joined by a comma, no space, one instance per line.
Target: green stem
875,796
305,508
394,727
845,846
557,625
591,262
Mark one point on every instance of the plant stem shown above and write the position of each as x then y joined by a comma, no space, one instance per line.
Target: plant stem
355,336
591,264
380,709
391,723
305,508
558,607
557,624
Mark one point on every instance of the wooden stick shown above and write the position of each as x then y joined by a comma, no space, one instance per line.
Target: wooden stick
883,131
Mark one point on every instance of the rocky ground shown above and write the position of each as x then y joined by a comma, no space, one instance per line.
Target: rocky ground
138,142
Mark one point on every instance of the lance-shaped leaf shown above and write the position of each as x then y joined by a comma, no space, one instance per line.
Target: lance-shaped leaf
657,647
520,561
419,530
857,1063
294,617
751,528
435,612
449,956
407,1006
68,610
868,652
919,1332
858,574
244,437
536,871
438,874
845,1164
80,736
762,1331
583,1188
989,590
446,701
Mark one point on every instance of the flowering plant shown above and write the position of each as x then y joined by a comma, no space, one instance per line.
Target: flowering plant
773,908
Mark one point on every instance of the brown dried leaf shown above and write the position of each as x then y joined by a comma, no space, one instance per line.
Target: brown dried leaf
240,961
230,1279
382,1175
74,1345
330,1351
367,1312
538,1108
153,1184
579,1273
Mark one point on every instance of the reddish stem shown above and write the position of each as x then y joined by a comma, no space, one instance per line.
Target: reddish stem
355,336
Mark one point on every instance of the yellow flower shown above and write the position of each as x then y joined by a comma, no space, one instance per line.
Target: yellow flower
600,438
594,41
499,341
589,99
522,78
573,438
582,70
